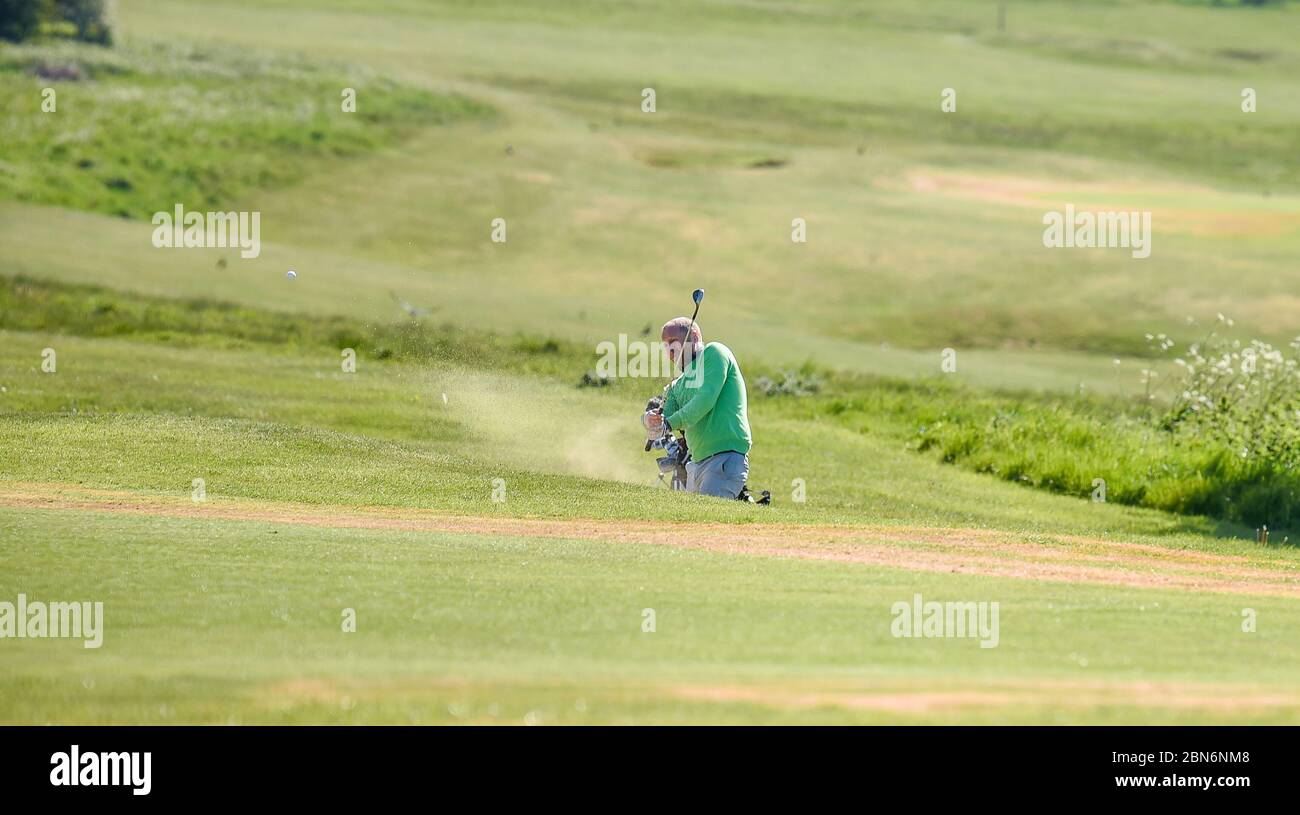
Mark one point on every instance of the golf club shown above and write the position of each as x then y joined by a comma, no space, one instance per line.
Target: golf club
697,296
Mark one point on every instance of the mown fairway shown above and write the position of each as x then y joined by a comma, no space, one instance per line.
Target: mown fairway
373,491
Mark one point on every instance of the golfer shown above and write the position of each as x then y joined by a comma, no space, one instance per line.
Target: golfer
708,403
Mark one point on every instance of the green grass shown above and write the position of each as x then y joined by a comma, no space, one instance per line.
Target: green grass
149,126
28,304
286,423
1064,445
1053,443
241,622
924,234
855,117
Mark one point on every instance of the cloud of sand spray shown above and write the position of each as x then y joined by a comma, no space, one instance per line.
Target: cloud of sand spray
548,428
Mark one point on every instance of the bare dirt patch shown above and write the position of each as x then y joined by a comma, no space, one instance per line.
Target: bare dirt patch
955,697
914,699
1070,559
1041,194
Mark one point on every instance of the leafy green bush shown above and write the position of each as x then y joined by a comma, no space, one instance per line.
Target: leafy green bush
1244,398
89,18
86,20
19,19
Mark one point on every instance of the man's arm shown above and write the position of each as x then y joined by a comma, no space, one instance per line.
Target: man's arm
670,405
705,396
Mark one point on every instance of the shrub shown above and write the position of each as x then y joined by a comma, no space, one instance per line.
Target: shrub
1244,398
88,17
789,383
19,19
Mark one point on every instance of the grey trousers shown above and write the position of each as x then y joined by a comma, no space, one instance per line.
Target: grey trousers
721,475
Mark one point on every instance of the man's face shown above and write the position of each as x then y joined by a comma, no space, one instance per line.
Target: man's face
673,342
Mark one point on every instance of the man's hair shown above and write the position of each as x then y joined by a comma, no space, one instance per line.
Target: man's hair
679,326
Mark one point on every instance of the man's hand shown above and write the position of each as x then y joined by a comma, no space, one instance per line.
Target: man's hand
654,423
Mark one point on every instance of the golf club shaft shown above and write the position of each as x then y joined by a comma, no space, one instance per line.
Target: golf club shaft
698,297
687,339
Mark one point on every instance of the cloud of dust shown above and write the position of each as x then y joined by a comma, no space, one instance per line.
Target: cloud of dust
546,427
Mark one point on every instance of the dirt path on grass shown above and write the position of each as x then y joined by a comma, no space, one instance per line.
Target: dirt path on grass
1020,694
909,700
1066,558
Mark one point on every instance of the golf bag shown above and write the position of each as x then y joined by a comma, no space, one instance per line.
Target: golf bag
676,455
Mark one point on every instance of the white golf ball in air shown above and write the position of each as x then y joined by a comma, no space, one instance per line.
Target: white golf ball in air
292,275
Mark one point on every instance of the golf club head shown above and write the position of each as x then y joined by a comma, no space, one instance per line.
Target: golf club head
697,296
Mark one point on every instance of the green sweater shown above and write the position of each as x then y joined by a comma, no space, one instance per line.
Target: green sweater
709,404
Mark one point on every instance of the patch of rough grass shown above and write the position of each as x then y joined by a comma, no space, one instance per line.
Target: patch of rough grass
27,304
138,129
1099,450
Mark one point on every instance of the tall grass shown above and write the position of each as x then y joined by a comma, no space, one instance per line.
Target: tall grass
1114,450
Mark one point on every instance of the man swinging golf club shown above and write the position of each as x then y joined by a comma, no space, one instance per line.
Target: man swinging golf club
708,403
